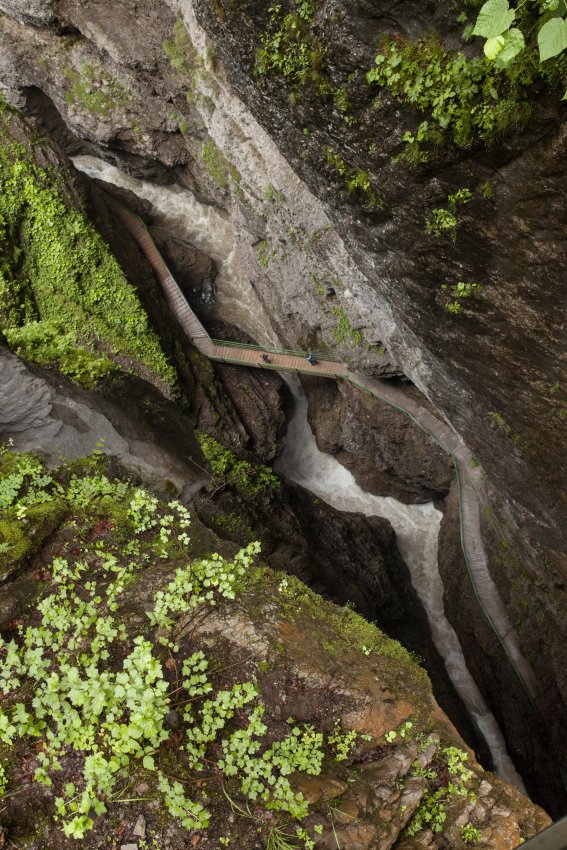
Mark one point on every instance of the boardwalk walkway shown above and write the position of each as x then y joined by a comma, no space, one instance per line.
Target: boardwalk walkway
326,367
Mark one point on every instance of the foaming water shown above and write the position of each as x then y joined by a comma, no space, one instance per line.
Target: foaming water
209,230
416,526
417,531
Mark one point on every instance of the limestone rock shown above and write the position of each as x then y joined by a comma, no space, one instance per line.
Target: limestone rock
46,413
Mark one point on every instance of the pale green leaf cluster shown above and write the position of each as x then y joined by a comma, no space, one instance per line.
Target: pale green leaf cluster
504,42
431,812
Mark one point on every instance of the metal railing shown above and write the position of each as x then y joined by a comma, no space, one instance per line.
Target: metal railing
254,347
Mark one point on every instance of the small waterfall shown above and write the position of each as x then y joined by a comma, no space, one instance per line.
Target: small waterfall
416,526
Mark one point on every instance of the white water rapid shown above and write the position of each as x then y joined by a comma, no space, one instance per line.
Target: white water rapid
417,530
416,526
178,211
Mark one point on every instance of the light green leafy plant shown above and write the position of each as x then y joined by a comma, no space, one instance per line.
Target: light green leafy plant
247,478
459,292
503,42
470,834
431,813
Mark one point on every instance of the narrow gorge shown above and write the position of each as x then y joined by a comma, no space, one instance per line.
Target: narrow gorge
290,200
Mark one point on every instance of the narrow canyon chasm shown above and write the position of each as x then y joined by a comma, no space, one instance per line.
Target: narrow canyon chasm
195,196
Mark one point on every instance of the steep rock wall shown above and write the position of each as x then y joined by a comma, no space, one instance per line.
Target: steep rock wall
168,114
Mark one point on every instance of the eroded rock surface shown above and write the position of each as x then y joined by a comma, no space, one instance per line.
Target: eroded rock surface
387,454
129,420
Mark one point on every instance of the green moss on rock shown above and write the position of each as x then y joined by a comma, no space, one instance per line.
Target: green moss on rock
20,538
62,291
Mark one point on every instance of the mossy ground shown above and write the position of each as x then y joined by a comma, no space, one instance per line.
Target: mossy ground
63,297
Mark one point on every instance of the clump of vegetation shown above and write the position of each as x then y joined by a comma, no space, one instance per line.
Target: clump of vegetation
344,332
95,692
470,834
49,342
356,180
497,417
290,47
459,292
431,812
55,269
217,165
94,88
264,253
186,60
466,99
274,195
504,42
444,219
227,469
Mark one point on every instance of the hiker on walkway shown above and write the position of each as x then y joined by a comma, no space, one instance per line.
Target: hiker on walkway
311,360
264,358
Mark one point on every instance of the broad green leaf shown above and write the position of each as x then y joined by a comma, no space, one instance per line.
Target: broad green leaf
493,46
494,18
552,38
148,763
514,44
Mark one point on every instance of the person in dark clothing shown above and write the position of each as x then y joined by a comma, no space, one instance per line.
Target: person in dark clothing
311,360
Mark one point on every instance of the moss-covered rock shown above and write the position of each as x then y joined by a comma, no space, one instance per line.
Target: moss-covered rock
20,538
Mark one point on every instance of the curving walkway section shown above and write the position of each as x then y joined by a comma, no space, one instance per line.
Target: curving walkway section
326,367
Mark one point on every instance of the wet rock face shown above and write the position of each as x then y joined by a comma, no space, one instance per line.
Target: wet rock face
193,270
533,755
386,453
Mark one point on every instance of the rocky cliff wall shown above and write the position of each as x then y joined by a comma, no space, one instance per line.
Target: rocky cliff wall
156,94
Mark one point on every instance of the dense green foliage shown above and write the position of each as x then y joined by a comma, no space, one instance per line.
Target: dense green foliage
290,48
471,99
95,693
247,478
51,342
505,42
55,269
465,99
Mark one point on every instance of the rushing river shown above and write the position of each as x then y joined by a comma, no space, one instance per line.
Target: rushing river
416,526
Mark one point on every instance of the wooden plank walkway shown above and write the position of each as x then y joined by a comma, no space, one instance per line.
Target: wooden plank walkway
442,433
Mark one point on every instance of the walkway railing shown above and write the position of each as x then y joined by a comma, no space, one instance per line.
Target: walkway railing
264,348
